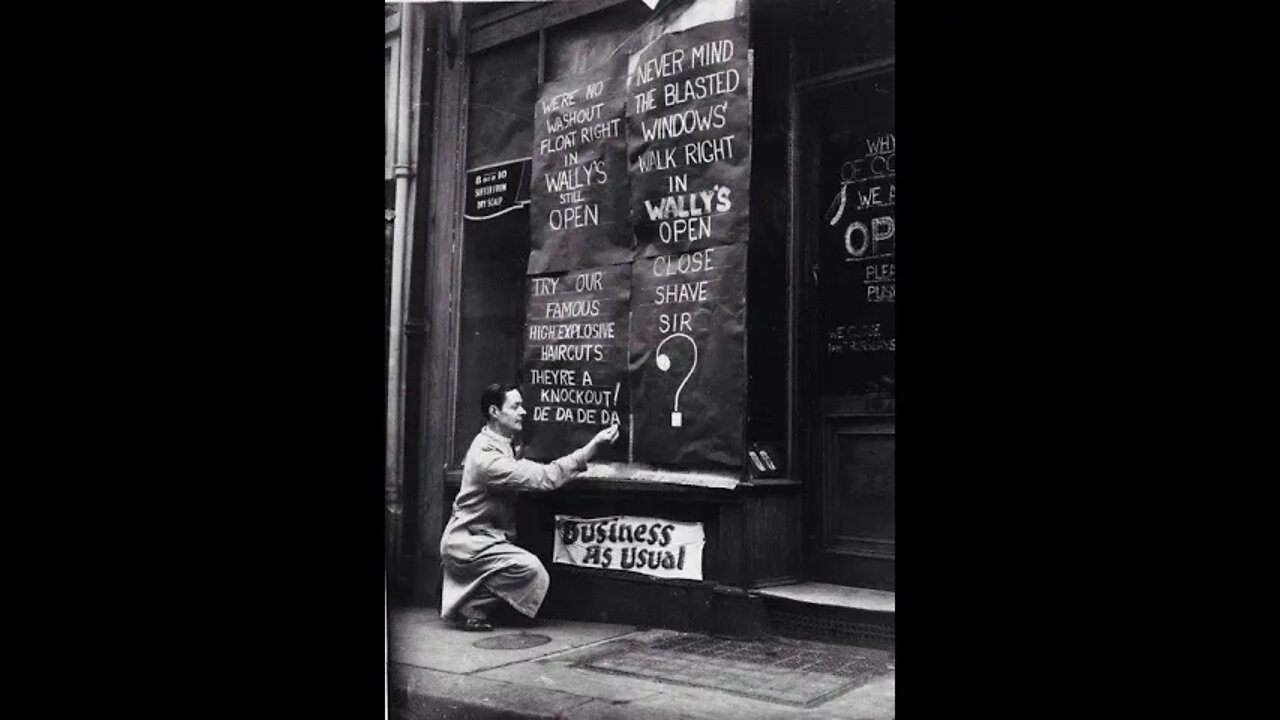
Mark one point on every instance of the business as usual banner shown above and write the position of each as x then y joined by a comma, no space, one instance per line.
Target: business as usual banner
649,546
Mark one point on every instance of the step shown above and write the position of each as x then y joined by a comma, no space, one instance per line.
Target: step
833,595
831,613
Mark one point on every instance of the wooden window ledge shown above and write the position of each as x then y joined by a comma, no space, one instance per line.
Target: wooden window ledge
635,476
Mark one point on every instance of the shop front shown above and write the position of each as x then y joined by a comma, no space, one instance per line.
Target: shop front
679,219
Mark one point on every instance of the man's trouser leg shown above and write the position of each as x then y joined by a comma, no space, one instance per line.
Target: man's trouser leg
480,605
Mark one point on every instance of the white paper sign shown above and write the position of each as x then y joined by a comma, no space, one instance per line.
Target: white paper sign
649,546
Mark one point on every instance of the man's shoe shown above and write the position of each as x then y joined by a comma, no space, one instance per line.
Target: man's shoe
476,625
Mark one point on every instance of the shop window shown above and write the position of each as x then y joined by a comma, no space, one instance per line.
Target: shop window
855,161
500,106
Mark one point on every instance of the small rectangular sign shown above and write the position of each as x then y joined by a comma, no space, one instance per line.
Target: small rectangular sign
495,190
649,546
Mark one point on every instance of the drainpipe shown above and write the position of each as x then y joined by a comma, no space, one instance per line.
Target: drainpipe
399,269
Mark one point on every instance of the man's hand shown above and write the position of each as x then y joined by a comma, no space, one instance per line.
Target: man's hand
605,436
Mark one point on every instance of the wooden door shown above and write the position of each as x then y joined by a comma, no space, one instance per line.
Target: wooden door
846,175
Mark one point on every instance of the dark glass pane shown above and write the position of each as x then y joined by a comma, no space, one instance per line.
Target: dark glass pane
857,236
504,85
495,251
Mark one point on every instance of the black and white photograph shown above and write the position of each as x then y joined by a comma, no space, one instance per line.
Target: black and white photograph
640,349
609,428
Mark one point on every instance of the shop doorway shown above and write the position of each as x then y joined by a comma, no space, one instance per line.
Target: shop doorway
846,194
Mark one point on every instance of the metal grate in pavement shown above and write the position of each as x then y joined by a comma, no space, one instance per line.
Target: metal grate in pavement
817,625
518,641
789,673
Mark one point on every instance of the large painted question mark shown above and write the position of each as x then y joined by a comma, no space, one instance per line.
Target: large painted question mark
664,364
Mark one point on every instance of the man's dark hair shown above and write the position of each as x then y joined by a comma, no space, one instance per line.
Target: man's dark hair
495,394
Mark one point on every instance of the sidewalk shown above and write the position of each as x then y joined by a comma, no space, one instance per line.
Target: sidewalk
594,671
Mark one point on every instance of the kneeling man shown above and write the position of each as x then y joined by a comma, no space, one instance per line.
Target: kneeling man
482,566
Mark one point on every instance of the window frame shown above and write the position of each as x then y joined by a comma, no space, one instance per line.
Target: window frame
483,32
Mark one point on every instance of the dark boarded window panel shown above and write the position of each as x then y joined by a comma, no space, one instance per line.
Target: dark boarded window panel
770,216
504,85
492,314
587,43
495,251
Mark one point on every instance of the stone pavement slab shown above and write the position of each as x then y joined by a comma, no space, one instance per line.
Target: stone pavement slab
625,696
418,637
556,672
874,701
606,710
804,674
446,677
424,693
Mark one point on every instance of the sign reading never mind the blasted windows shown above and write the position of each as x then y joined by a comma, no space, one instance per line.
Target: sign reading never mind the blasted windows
689,139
